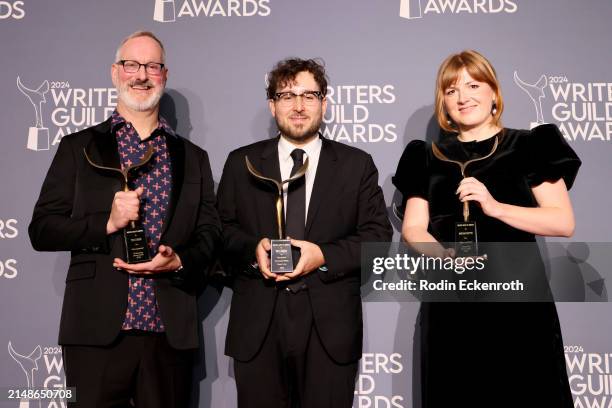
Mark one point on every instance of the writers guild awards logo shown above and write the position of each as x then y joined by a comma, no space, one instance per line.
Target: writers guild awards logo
38,135
169,11
580,109
28,364
414,9
535,93
165,11
410,9
67,110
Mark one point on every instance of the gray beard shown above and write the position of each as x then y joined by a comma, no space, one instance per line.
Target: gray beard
148,104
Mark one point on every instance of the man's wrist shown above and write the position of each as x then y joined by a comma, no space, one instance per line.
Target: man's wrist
180,267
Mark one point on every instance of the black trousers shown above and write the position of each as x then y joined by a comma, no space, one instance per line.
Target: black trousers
292,369
139,369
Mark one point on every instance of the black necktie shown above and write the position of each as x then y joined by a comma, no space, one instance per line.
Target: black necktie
296,199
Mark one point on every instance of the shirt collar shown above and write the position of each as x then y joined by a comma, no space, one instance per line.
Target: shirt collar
118,121
285,147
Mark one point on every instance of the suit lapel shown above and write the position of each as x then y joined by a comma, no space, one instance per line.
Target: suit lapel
102,150
323,181
176,150
103,147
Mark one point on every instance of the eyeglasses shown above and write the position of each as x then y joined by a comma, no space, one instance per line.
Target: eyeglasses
309,98
131,67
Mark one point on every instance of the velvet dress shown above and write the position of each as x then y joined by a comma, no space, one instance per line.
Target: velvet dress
489,354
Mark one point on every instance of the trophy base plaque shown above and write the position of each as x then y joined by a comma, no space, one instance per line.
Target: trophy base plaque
281,260
38,138
466,239
136,249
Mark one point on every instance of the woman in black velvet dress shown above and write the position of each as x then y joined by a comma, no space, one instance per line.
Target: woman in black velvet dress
490,354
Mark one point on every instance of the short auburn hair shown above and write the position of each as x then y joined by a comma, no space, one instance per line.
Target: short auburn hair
480,69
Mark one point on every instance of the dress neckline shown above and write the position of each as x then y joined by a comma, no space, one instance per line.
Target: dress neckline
482,141
455,149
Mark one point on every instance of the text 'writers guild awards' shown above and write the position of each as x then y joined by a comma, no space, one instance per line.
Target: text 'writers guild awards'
281,260
466,234
134,238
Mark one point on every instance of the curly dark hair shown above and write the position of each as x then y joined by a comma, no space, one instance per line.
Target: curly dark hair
286,70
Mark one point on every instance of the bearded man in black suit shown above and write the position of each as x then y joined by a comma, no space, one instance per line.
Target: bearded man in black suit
128,330
296,338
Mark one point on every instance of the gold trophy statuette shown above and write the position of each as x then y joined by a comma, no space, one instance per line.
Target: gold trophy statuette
281,260
134,238
466,234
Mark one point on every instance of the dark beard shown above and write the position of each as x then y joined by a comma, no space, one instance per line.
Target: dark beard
303,135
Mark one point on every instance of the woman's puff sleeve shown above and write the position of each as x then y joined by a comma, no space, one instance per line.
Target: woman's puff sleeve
412,176
548,157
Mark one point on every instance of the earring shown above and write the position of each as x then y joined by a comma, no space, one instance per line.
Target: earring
448,120
494,108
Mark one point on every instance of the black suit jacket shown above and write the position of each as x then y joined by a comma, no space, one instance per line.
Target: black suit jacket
346,208
72,212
